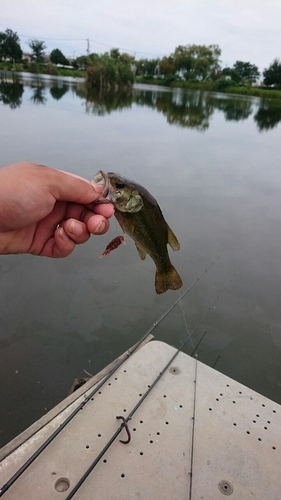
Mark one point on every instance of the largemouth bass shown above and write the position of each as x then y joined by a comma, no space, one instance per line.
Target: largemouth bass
140,216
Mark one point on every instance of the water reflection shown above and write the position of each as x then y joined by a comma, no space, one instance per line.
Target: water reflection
58,92
102,103
38,95
187,109
268,115
234,109
11,94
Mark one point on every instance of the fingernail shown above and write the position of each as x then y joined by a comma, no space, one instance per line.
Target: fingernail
75,228
100,227
63,235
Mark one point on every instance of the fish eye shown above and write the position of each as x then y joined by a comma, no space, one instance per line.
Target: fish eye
120,184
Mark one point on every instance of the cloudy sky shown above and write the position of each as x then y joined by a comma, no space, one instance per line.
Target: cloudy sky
245,30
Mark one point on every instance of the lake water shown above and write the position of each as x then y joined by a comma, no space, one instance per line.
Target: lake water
212,161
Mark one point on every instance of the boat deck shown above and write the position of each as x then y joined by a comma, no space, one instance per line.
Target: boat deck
197,435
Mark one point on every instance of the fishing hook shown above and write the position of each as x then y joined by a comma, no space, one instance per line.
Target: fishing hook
125,424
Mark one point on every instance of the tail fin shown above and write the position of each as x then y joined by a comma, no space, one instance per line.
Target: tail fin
170,280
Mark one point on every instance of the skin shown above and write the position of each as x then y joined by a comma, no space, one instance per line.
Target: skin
47,212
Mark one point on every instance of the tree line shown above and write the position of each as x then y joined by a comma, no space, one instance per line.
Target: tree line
10,49
188,63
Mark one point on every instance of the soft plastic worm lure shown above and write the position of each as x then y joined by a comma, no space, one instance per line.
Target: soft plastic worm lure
113,245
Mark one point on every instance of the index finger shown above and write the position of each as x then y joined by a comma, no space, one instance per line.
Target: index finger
105,209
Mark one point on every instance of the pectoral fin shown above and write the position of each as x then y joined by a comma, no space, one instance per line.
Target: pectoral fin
141,252
172,239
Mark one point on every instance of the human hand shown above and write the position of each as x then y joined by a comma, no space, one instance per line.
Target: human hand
44,211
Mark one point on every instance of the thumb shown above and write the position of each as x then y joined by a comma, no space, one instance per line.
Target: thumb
70,187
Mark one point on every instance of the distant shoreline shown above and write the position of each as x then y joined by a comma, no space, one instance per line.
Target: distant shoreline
208,86
268,93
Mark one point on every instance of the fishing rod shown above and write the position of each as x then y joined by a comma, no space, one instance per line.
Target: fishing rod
150,387
196,347
44,445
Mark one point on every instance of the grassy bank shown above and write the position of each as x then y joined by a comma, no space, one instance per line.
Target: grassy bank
220,86
255,91
41,69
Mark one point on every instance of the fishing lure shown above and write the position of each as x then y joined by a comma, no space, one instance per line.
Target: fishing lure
113,245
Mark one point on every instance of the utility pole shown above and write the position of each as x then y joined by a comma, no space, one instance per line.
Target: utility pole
88,45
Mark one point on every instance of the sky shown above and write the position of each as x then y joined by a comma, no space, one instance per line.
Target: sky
245,30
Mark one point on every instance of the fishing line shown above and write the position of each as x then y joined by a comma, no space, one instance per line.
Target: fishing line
184,320
150,387
44,445
196,347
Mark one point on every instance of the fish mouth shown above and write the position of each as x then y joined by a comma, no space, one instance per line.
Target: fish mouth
102,179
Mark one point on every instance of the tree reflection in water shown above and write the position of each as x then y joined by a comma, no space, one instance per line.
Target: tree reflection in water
11,94
234,109
58,92
183,108
38,95
101,103
268,115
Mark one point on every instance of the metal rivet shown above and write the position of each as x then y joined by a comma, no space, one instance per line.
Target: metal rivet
225,487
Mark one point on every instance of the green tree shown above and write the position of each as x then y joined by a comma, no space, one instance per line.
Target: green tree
246,71
37,47
124,58
10,46
272,75
80,62
146,67
57,57
115,54
232,73
197,62
110,70
167,66
95,75
85,61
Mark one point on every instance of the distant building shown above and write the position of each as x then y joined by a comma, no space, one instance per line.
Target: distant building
26,56
66,66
